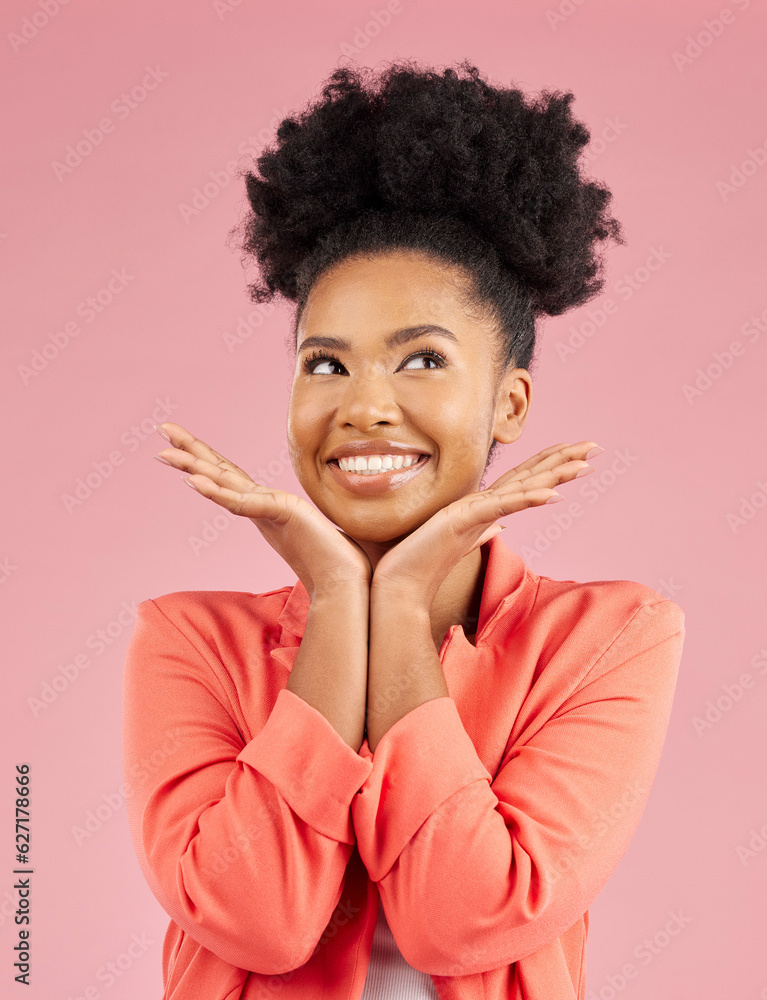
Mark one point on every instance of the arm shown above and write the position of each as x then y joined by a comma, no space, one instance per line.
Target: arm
476,873
330,669
404,669
244,844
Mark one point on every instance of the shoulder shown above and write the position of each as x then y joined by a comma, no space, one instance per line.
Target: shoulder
208,614
602,615
206,653
620,635
612,597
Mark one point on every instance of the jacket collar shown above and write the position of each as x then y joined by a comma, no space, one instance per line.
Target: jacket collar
508,593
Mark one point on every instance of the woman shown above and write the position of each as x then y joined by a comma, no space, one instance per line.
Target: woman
411,773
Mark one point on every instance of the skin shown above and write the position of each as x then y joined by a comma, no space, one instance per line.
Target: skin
452,412
414,553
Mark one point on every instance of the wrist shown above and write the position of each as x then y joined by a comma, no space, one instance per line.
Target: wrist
401,599
341,593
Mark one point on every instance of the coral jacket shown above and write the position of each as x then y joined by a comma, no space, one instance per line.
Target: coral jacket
486,823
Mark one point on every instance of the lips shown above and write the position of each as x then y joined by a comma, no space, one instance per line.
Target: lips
379,482
380,446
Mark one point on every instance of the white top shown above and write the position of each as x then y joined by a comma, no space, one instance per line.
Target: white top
389,976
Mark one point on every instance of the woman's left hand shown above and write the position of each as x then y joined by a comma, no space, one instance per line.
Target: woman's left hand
416,567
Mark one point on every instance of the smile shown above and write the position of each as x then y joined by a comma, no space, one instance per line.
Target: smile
372,481
371,464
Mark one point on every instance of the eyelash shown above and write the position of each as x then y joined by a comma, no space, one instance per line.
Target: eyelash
321,355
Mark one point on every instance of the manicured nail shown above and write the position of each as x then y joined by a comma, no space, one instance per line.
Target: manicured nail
189,483
161,431
592,452
555,498
583,472
161,459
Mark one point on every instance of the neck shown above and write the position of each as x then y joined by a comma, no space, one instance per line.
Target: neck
458,600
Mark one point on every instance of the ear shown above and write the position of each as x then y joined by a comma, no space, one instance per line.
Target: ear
512,405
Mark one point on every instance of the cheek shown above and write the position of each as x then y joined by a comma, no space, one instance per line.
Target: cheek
302,423
459,426
433,406
307,441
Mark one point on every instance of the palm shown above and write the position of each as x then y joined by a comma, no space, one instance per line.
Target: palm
321,556
420,562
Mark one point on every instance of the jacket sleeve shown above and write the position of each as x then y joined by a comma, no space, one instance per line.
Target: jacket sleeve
244,845
474,873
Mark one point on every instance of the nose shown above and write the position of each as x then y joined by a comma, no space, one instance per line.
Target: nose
368,400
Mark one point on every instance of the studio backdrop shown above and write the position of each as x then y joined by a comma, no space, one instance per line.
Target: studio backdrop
126,131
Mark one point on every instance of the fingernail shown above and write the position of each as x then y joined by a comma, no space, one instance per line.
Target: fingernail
189,483
592,452
161,459
161,431
556,498
583,472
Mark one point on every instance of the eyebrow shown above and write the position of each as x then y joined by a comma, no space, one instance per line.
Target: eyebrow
395,339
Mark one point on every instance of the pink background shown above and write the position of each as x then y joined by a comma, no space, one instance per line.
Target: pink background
666,138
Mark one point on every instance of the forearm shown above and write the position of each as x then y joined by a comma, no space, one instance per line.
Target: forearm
404,668
214,817
330,669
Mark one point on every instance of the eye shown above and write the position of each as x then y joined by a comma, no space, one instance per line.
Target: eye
431,356
315,358
313,361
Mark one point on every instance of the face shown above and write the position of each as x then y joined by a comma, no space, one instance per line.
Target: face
431,393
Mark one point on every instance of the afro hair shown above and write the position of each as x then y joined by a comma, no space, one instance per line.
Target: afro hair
478,176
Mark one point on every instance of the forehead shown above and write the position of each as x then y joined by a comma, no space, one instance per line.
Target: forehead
378,296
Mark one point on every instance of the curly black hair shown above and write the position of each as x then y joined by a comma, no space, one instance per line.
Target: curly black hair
444,164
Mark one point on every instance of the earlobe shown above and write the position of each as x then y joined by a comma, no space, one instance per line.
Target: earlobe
514,405
509,429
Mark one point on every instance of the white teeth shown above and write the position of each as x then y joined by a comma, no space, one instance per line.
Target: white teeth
373,465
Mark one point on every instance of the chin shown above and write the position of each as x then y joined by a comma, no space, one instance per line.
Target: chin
366,533
360,519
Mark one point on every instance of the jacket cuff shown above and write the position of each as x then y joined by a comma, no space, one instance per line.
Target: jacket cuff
423,759
315,771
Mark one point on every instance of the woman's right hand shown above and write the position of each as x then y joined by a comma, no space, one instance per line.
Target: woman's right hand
322,557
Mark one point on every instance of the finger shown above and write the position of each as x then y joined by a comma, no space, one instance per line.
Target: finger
478,511
255,502
550,458
551,477
535,459
184,441
185,461
501,499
